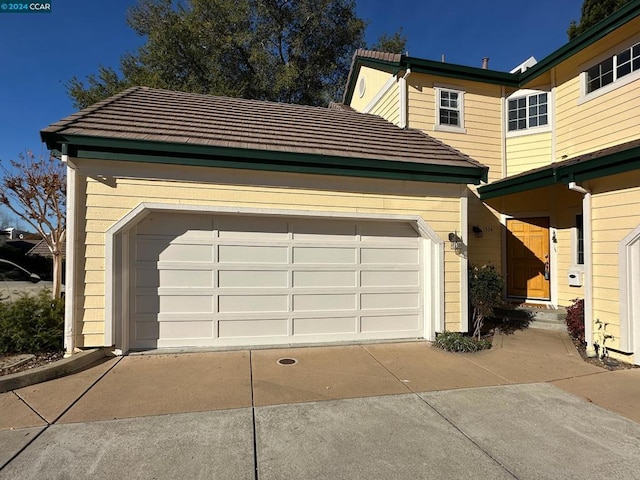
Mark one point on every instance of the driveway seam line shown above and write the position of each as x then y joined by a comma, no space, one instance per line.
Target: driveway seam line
410,390
467,437
31,408
253,418
485,369
93,384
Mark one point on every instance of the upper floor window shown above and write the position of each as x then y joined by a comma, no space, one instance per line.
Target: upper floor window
613,68
528,112
450,110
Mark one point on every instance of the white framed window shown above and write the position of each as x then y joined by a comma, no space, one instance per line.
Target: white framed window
528,111
613,69
611,72
449,110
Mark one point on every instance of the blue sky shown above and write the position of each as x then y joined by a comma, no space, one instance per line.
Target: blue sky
41,52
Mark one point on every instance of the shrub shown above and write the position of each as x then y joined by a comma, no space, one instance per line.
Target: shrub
485,293
457,342
575,319
32,324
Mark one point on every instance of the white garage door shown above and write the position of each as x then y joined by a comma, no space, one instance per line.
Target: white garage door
203,280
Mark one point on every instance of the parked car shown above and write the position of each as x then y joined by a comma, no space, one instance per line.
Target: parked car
16,281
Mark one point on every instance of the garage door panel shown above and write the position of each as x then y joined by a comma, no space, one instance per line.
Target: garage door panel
389,323
263,280
329,278
252,254
261,229
147,331
397,256
320,302
389,300
385,278
324,325
330,230
186,330
253,303
176,225
253,278
324,255
253,328
186,303
395,233
153,252
183,278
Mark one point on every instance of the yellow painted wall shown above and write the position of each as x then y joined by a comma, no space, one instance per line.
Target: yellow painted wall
388,107
105,199
607,120
527,152
616,212
482,142
375,80
482,118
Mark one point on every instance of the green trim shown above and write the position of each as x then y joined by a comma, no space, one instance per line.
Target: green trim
195,155
565,172
519,80
582,41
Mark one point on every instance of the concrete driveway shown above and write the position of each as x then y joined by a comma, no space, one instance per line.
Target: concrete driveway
530,408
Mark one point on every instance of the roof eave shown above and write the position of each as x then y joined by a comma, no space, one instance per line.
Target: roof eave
565,172
258,159
582,41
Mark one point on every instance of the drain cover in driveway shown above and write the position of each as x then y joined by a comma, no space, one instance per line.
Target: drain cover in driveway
287,361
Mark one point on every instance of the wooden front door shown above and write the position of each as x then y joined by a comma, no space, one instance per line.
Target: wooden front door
528,258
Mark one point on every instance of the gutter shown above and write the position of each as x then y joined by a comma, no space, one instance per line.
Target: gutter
404,99
588,266
70,229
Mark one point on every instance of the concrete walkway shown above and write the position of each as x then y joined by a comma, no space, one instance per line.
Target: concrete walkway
528,408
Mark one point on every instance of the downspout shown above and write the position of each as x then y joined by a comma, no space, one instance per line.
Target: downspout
404,113
69,293
588,267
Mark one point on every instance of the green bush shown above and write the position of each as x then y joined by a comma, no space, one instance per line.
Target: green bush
457,342
32,324
485,293
575,319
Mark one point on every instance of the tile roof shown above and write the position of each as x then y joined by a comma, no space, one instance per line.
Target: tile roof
145,114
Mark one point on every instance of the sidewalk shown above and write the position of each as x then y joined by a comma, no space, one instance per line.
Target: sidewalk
248,399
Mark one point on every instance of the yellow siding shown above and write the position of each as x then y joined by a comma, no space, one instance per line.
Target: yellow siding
388,107
605,120
103,203
615,214
527,152
482,118
375,80
484,248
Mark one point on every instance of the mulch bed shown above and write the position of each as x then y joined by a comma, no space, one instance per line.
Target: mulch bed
39,360
606,362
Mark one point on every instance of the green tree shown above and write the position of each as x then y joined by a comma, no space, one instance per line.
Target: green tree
280,50
592,12
396,43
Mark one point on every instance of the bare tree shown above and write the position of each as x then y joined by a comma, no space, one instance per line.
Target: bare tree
35,189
